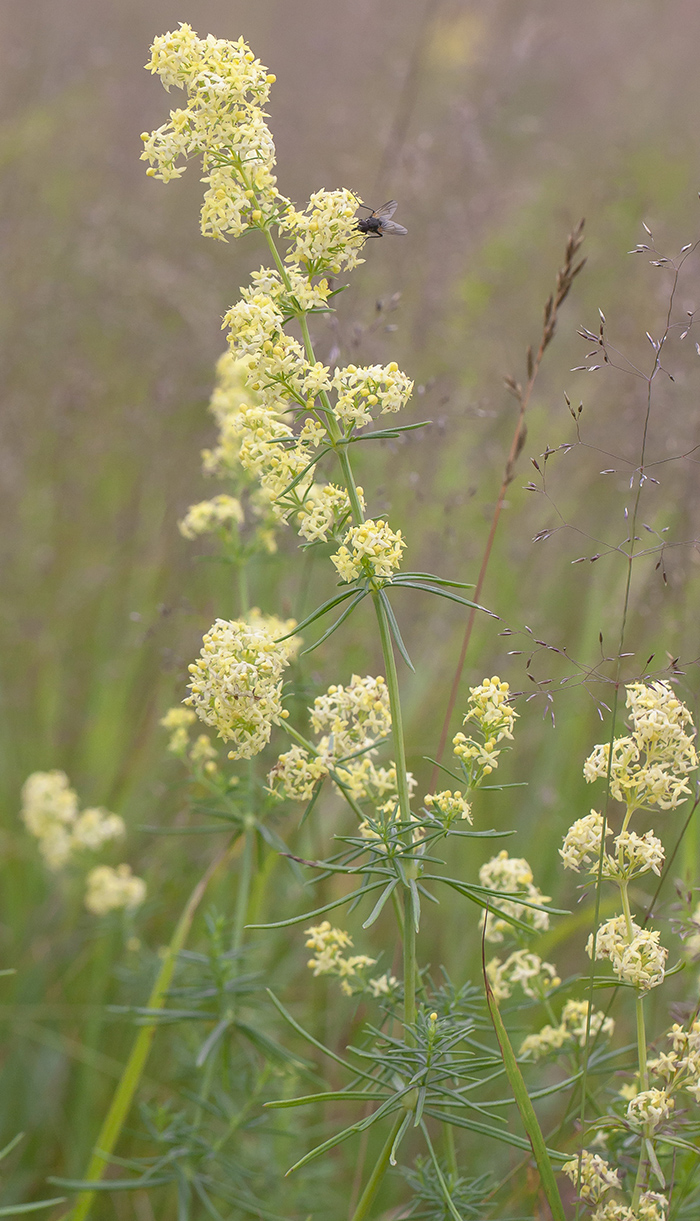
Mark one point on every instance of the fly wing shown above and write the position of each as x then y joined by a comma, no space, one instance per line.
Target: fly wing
386,211
390,226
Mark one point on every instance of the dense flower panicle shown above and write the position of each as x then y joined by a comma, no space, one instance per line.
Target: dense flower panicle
223,122
325,510
325,236
208,515
236,684
95,827
50,814
353,716
582,842
364,782
47,801
489,709
649,766
638,959
547,1041
346,720
328,944
363,393
448,806
489,712
371,549
596,1176
649,1108
231,390
651,1207
253,322
535,977
575,1018
680,1067
109,889
504,874
572,1029
296,774
635,854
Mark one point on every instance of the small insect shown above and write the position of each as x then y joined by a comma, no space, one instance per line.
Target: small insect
378,223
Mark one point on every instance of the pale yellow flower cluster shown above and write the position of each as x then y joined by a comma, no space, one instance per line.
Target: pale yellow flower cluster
365,392
652,1206
650,765
353,716
504,874
325,510
680,1067
231,396
110,889
365,781
571,1029
346,720
634,854
524,969
597,1176
270,374
50,814
489,711
324,237
296,774
449,806
223,122
328,944
236,683
635,953
649,1108
383,985
178,721
582,842
220,513
371,550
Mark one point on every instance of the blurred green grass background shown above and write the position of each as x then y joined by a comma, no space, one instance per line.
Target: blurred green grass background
496,127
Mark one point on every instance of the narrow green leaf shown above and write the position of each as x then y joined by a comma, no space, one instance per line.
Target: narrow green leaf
11,1145
327,1144
394,629
415,904
381,433
14,1210
334,626
429,576
376,910
314,798
442,593
320,911
329,1096
320,610
440,1177
356,1072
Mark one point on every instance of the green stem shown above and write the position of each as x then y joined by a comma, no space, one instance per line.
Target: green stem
375,1179
133,1069
245,875
641,1050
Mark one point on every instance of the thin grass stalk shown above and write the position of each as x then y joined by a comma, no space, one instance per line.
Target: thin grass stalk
135,1065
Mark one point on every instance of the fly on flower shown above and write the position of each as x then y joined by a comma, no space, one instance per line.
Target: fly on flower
378,223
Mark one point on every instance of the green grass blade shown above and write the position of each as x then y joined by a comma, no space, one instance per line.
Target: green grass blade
524,1104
